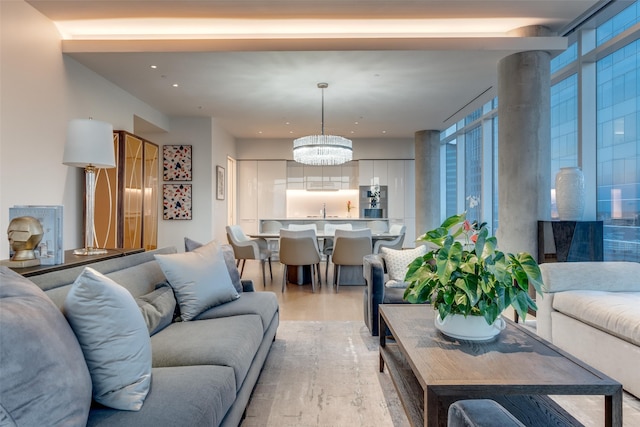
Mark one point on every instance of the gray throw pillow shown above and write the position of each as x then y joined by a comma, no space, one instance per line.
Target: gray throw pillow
229,259
157,308
44,378
114,339
200,279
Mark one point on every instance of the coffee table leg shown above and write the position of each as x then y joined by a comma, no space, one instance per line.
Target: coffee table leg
382,327
613,409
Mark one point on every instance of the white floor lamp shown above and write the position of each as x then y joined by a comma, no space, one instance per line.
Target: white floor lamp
89,146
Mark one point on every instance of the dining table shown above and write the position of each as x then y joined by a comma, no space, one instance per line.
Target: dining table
297,274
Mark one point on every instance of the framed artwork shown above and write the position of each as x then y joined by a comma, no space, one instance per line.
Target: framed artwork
176,162
220,183
176,203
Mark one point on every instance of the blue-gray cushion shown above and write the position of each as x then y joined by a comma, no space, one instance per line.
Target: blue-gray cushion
227,341
264,304
114,339
229,259
44,378
200,279
179,396
157,308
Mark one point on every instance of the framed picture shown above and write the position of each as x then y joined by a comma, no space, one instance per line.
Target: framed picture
176,162
176,203
220,183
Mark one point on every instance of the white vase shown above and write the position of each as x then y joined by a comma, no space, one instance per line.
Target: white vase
570,193
470,328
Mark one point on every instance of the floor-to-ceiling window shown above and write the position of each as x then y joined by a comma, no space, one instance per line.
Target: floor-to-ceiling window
595,111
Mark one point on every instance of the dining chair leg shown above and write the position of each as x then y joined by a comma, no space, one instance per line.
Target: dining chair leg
338,279
270,270
313,278
326,270
264,276
284,276
319,275
244,261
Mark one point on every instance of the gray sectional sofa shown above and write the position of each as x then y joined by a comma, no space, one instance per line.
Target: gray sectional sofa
203,370
592,311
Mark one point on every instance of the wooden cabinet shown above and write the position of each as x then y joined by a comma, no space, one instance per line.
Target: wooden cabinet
126,214
570,241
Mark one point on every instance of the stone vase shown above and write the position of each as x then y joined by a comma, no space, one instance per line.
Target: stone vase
570,193
469,328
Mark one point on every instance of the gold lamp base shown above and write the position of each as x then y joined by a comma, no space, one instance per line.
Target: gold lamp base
90,251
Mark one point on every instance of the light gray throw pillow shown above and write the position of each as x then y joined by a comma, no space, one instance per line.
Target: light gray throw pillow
44,380
200,279
229,259
398,260
114,339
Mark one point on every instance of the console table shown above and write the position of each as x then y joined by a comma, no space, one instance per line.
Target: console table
72,260
518,370
570,241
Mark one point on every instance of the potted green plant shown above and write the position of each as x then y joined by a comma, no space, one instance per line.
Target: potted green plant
465,276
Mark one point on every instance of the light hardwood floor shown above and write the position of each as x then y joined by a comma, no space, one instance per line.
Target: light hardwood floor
298,302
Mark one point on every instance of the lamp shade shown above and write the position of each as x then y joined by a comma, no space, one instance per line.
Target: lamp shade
89,142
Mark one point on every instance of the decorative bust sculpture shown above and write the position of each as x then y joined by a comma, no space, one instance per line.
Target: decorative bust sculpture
24,234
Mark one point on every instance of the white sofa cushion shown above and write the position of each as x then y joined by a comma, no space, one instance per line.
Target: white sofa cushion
617,313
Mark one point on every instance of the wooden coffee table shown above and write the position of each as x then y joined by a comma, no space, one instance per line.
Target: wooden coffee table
518,370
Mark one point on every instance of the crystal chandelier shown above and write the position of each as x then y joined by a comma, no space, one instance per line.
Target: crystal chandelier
322,150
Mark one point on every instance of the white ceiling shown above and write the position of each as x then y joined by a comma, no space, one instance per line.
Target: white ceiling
264,86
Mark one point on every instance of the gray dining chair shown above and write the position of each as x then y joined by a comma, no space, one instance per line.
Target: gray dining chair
349,247
327,244
245,248
395,243
300,248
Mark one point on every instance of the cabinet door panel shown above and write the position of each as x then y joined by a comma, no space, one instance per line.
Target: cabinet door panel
133,185
150,197
396,188
271,197
247,190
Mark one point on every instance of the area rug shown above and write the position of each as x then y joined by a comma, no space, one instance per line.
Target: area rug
324,374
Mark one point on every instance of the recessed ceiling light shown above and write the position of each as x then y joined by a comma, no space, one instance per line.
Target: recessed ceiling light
356,123
260,132
154,66
175,85
287,123
384,131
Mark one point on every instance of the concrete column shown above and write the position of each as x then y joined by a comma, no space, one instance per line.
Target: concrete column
524,147
428,200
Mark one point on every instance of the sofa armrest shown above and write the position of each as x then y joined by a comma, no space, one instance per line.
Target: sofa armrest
611,276
247,285
373,272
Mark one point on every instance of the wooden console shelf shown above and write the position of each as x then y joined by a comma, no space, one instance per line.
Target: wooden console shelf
71,260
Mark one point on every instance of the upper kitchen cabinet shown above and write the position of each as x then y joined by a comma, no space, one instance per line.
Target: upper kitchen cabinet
373,172
306,177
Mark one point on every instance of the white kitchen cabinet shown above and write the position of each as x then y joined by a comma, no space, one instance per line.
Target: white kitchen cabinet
380,172
396,189
365,172
349,176
295,175
272,187
248,195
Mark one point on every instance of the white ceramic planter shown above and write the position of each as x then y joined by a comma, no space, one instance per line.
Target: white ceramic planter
470,328
570,193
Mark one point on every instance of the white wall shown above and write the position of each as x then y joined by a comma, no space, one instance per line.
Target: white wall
259,149
210,147
41,90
